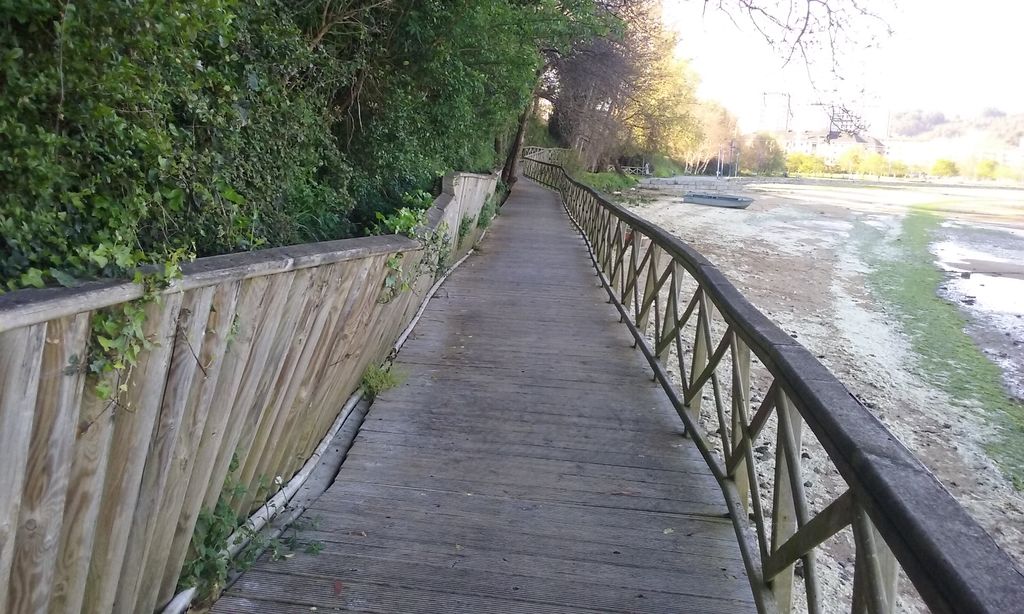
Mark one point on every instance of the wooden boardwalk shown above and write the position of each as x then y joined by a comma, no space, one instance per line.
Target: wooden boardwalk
527,464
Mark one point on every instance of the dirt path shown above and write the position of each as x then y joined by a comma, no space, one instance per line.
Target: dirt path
809,266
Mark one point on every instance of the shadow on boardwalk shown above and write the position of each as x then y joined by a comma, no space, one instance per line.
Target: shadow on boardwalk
527,464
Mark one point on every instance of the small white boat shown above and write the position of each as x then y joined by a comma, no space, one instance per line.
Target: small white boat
717,200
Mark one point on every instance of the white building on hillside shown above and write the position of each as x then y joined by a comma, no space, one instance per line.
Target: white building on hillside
817,143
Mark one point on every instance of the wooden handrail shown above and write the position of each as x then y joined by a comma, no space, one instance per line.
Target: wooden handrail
951,561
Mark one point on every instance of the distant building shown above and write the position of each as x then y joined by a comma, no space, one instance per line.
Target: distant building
818,143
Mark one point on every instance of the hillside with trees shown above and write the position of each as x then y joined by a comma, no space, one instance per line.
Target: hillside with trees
991,123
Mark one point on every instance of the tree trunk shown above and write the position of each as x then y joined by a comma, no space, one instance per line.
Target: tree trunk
510,170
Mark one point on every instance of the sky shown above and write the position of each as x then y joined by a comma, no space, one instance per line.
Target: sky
954,56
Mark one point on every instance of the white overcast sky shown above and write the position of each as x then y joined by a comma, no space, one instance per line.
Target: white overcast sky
954,56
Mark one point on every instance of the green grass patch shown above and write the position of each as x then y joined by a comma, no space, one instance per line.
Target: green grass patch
608,182
949,359
662,166
376,380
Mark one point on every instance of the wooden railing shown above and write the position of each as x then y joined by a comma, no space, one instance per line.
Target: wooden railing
544,154
762,410
252,357
641,171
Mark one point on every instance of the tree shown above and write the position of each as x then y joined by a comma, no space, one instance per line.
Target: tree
945,168
716,132
660,118
137,132
850,160
621,93
986,169
873,164
762,155
805,164
559,24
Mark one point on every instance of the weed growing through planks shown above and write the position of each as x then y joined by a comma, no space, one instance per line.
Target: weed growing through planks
466,225
377,379
487,212
208,566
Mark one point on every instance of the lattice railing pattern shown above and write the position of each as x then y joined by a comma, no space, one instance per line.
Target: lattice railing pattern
746,393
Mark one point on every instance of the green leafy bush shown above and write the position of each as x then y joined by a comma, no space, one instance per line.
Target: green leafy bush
488,211
130,131
133,130
608,182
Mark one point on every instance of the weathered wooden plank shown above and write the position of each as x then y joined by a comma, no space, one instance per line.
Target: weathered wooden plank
363,597
639,457
285,587
215,447
481,414
461,463
32,306
364,531
259,326
49,466
21,356
336,561
134,416
184,367
209,360
309,298
84,498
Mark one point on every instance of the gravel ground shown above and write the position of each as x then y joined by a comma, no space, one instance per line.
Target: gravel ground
802,262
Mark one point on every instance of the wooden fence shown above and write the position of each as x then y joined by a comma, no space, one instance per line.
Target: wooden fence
253,356
760,408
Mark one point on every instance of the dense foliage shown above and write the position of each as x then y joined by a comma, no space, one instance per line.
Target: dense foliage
136,130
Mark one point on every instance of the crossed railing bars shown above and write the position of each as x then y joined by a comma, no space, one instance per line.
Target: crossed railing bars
736,379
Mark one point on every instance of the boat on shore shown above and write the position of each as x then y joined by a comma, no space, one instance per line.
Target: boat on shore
717,200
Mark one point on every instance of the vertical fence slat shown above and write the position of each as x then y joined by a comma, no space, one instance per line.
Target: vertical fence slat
698,362
215,441
784,516
183,368
208,356
21,355
49,465
274,419
83,500
740,409
134,418
337,369
265,405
